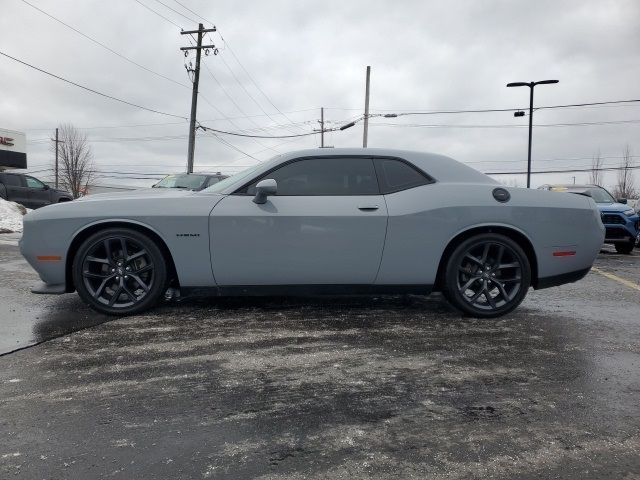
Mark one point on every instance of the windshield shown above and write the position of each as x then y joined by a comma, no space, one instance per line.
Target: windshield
223,184
190,181
599,195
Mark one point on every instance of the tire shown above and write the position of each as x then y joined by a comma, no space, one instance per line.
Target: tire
487,276
625,248
117,283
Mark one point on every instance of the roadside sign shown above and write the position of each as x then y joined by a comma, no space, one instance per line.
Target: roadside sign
13,149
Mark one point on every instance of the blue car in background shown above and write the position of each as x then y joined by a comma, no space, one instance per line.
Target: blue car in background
621,222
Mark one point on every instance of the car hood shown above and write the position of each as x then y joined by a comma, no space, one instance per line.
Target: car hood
143,192
613,207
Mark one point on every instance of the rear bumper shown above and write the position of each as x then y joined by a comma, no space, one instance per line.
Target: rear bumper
562,278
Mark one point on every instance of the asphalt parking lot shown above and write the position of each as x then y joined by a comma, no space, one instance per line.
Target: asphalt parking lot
389,387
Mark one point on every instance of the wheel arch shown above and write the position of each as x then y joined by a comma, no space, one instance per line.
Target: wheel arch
508,231
88,230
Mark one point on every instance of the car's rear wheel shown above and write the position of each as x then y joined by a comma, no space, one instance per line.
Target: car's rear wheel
119,271
487,275
625,247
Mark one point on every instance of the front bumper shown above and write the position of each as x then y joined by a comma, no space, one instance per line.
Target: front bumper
620,228
44,251
619,234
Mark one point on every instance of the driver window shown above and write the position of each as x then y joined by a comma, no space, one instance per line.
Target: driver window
34,183
324,176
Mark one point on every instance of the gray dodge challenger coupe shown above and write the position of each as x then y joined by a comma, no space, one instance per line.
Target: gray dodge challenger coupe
339,221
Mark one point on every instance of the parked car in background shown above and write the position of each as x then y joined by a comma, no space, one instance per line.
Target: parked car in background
29,191
638,235
190,181
621,222
363,221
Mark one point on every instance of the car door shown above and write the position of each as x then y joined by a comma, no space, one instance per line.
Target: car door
39,194
17,190
325,226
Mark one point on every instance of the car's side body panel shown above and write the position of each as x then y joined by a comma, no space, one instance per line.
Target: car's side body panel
179,218
423,220
298,240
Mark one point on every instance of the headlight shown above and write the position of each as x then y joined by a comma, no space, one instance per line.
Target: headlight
629,212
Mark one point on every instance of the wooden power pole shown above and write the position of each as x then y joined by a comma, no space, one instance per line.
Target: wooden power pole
57,142
194,96
366,110
321,127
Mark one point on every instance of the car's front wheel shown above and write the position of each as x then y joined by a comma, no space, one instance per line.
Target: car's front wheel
119,271
487,275
625,247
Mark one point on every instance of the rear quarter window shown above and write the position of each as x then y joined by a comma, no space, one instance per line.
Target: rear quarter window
396,175
13,180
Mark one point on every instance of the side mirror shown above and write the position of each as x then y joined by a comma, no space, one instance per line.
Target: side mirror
622,200
46,187
264,188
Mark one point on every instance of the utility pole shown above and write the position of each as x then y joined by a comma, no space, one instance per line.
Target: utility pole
321,127
321,130
57,142
366,110
194,95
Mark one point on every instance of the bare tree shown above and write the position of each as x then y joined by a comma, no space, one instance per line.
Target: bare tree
75,161
625,187
595,176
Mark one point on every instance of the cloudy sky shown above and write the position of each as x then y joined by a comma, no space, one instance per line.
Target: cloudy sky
279,61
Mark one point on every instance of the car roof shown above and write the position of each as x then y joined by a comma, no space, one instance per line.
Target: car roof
439,167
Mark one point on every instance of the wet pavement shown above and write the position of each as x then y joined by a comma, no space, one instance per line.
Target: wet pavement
388,387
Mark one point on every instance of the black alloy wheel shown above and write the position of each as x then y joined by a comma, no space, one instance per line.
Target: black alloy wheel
487,276
119,271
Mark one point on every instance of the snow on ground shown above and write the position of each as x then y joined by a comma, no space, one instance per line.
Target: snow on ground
11,214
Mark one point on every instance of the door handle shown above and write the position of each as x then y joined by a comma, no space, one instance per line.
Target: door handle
368,208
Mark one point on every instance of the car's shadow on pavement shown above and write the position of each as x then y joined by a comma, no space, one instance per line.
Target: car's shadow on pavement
433,304
68,315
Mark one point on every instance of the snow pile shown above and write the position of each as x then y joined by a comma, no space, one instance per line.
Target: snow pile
11,214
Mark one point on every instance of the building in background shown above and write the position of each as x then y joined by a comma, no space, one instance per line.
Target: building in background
13,149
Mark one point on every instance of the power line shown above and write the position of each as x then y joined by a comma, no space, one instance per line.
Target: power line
224,142
589,169
265,136
191,11
224,90
399,111
228,47
251,78
223,119
248,93
90,89
612,102
577,124
176,11
157,13
105,46
236,105
493,110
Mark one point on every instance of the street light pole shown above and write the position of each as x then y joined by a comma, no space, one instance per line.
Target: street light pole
531,86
